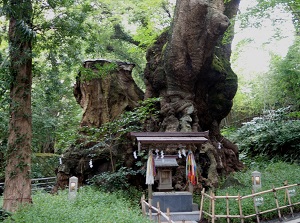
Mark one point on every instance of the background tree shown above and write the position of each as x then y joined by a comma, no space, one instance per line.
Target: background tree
4,110
284,82
264,9
17,173
68,32
275,87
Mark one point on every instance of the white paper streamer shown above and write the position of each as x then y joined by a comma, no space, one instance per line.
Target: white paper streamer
134,155
179,154
91,163
150,170
183,152
219,145
157,155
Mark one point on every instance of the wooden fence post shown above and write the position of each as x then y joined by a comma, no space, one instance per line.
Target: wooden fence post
143,205
169,215
201,204
150,208
240,207
277,204
158,213
213,208
289,200
210,202
227,208
255,207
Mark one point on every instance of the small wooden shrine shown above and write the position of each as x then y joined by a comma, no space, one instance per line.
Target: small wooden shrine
164,168
176,201
164,165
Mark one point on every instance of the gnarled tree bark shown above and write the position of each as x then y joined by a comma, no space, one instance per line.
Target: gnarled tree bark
189,68
105,98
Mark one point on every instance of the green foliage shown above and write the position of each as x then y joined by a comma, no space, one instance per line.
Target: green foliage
127,122
273,135
285,78
278,87
90,205
65,33
116,181
113,132
266,8
4,214
152,16
43,165
5,81
56,114
87,74
227,131
4,110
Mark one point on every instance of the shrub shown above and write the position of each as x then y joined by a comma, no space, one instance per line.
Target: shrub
113,181
273,135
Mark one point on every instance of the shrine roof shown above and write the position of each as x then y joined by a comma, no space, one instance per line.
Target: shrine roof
170,137
167,161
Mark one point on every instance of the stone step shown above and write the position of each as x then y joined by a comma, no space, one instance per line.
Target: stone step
186,217
181,222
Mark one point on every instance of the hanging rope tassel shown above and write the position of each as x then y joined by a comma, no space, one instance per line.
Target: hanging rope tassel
191,168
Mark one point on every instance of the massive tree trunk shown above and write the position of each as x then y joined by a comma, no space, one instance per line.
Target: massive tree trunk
104,90
105,97
17,173
189,68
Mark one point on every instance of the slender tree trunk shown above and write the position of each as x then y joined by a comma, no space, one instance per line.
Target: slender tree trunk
17,173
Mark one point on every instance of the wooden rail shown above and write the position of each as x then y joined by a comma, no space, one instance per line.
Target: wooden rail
159,212
40,183
211,213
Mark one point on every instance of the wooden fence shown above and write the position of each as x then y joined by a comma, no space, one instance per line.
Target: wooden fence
159,213
257,200
44,183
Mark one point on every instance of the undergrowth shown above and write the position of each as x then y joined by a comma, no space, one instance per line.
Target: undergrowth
90,205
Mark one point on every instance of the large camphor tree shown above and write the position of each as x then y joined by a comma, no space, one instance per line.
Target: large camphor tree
189,68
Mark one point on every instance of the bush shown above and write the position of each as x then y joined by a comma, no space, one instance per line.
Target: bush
90,206
273,135
113,181
118,182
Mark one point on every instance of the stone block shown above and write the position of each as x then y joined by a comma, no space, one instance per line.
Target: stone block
175,201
